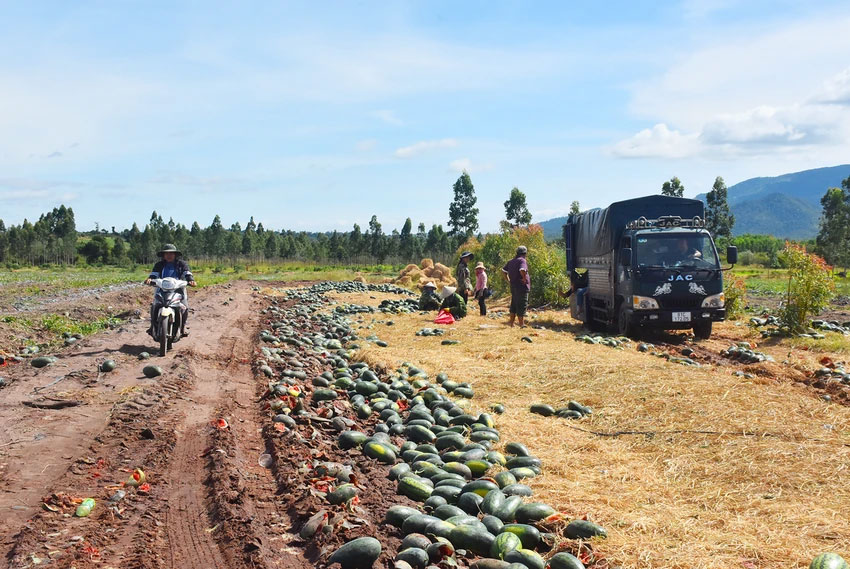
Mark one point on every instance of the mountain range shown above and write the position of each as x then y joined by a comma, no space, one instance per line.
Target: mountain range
786,206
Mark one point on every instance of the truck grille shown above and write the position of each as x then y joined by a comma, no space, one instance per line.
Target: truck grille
684,303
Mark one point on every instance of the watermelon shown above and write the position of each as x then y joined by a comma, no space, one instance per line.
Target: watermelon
360,553
152,371
829,561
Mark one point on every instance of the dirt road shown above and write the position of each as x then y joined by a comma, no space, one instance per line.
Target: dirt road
165,427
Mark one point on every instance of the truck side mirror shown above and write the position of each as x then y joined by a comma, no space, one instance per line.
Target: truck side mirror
731,254
626,257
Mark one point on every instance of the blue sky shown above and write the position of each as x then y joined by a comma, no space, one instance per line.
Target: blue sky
318,115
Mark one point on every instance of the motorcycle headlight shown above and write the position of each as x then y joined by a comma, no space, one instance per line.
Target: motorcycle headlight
644,303
714,301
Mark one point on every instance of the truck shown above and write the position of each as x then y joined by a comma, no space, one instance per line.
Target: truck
646,263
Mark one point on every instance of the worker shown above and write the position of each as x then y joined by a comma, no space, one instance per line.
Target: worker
453,302
429,300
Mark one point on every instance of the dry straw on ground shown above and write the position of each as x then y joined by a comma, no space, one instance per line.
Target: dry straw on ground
768,487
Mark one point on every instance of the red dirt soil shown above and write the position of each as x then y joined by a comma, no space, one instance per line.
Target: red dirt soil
209,502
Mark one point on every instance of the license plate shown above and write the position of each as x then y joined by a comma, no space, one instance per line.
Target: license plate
681,317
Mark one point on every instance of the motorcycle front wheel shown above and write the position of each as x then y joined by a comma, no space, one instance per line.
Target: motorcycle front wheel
175,329
164,329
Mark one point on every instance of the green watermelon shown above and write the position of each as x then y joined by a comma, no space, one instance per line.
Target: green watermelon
152,371
829,561
42,361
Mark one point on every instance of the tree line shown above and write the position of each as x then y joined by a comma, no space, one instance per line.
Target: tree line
53,239
718,217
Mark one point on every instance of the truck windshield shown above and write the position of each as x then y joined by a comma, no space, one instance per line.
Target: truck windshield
676,250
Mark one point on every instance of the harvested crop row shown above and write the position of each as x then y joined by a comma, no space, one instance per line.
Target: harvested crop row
356,449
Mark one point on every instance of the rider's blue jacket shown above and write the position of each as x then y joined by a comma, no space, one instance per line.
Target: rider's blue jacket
180,270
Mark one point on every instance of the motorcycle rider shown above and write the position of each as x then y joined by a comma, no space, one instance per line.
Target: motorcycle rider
171,265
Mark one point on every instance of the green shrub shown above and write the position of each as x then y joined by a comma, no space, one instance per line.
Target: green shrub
736,293
746,258
810,286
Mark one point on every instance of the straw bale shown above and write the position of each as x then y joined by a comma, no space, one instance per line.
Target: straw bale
409,269
427,263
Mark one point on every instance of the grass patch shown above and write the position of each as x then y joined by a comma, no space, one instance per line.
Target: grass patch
775,281
38,283
56,326
59,324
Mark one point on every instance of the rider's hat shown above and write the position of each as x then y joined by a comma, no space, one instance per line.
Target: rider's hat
168,248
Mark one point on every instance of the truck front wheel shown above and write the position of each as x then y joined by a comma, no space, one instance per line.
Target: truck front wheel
702,330
624,324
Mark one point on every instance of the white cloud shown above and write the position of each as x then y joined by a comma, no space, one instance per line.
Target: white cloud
424,146
759,125
658,141
817,121
836,89
743,69
388,117
466,165
548,213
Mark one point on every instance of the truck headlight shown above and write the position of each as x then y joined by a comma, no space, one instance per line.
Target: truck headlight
644,303
714,301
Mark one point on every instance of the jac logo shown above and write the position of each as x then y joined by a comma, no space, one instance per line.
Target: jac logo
681,278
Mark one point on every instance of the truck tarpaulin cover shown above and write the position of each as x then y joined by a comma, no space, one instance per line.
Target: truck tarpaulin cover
597,231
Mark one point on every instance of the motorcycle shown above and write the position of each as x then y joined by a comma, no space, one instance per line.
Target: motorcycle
169,310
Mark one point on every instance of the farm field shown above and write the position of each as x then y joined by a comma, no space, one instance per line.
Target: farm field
38,306
684,466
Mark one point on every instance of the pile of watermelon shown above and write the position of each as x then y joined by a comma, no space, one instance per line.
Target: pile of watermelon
476,506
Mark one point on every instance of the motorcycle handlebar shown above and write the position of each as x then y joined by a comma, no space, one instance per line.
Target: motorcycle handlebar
152,282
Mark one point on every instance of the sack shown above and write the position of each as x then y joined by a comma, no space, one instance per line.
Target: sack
444,318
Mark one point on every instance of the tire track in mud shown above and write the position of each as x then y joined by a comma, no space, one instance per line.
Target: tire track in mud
187,519
214,367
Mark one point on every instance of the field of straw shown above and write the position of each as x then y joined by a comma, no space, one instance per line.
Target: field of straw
725,472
